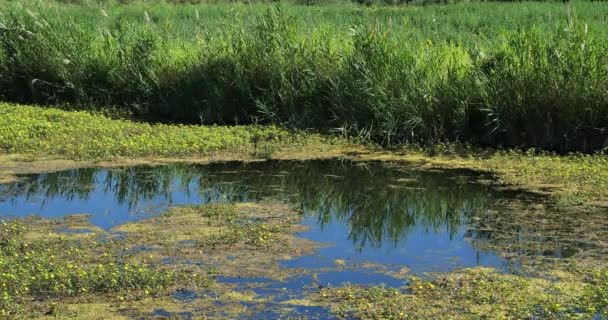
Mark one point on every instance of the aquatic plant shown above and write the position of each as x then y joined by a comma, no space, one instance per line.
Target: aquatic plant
46,270
52,266
475,293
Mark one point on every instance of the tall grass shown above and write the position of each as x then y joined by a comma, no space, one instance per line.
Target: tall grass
393,75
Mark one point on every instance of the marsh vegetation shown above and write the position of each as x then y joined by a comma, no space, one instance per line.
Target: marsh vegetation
525,74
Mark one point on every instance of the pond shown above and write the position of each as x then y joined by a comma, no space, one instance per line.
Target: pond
375,220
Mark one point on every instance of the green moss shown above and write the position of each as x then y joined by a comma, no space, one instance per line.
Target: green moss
244,239
574,179
566,180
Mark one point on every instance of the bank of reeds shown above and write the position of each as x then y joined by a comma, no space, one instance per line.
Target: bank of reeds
530,87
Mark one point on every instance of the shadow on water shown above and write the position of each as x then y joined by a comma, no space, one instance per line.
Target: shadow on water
377,200
371,214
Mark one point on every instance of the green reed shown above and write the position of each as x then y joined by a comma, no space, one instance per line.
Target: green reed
536,76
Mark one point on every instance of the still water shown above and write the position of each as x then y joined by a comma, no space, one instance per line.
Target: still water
367,213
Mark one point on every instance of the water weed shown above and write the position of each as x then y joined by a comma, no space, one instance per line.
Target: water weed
475,293
47,271
55,267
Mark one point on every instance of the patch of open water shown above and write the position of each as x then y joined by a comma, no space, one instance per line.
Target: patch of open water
372,214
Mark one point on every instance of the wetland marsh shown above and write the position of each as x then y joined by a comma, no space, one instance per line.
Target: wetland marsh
164,160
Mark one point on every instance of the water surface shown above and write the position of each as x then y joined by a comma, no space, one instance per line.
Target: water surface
370,214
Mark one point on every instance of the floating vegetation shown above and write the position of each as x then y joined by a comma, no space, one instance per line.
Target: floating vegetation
39,270
47,271
476,293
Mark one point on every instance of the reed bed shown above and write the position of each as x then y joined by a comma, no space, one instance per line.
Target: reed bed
492,74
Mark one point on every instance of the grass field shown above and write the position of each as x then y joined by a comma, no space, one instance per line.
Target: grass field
513,74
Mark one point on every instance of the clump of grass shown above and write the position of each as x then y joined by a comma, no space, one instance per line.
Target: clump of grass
514,84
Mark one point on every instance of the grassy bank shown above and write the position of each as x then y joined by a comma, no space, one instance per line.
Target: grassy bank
491,74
